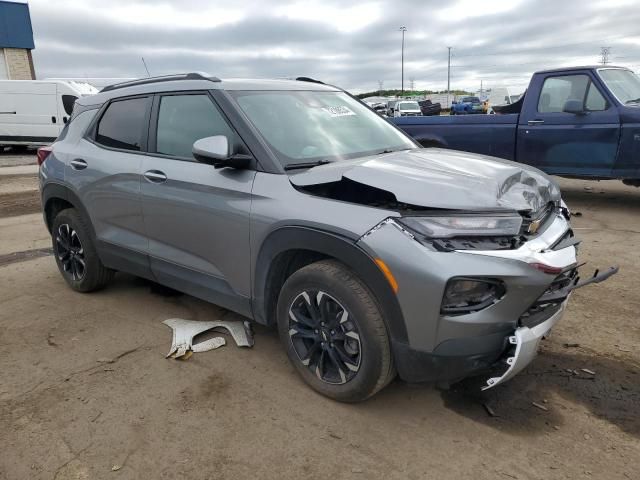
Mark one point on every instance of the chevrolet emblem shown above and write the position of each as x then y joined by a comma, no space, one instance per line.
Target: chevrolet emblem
534,226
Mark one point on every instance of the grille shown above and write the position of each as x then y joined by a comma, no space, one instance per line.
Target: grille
550,301
543,217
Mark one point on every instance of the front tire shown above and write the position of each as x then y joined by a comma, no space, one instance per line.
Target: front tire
334,333
76,256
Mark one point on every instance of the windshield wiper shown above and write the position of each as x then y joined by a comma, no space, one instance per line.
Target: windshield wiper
387,150
637,100
293,166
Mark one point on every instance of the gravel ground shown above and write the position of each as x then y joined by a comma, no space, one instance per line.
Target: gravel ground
85,390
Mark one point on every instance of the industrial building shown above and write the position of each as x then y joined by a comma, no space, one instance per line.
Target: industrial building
16,42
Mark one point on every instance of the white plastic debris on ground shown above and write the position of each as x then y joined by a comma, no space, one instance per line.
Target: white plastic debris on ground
184,332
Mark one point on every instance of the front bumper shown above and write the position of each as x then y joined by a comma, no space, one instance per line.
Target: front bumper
525,343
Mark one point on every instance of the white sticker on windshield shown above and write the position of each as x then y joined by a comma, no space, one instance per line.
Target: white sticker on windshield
339,111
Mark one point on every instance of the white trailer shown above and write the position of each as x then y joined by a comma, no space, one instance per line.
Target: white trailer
33,112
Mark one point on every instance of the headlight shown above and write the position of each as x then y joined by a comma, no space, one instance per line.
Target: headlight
468,225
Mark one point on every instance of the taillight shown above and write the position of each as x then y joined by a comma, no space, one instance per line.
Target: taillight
43,153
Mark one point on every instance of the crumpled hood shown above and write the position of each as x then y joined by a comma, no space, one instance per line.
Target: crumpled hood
439,178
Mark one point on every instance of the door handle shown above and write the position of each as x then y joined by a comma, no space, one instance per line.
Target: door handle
78,164
155,176
535,122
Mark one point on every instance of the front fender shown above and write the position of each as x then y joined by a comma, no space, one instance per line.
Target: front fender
328,244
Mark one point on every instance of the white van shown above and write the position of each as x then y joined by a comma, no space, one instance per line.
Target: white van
500,96
33,112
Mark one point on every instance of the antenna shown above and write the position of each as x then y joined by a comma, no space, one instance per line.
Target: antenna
145,67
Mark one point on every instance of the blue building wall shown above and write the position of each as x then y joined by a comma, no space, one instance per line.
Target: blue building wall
15,26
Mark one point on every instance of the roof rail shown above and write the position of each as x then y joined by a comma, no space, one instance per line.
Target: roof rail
164,78
308,79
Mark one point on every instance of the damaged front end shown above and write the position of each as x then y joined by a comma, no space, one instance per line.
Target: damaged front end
479,252
474,303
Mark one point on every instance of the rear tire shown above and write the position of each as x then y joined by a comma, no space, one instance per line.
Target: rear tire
333,332
75,253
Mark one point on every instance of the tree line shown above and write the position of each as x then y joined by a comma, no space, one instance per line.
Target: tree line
409,93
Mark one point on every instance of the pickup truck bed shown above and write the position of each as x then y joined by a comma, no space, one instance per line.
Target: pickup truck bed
487,134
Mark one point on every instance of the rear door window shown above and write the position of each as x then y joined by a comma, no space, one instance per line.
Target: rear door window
183,119
123,124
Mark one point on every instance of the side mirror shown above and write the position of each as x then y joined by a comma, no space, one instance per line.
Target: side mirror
216,151
574,106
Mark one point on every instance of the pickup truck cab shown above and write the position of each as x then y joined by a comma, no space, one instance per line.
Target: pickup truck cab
580,121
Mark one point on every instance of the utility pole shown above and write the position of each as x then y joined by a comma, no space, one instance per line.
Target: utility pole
604,52
481,91
412,84
448,76
402,29
380,84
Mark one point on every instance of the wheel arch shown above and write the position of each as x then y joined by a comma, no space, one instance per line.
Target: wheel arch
287,249
57,197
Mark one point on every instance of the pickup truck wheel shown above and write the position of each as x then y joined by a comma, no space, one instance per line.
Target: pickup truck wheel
334,333
75,253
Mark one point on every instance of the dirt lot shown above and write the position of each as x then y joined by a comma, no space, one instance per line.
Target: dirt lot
86,393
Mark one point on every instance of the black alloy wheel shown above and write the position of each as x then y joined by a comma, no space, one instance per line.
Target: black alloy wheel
70,252
325,336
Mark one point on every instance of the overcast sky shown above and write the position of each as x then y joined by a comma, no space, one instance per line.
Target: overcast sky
353,46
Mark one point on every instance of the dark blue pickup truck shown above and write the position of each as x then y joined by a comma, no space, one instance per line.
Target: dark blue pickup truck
579,122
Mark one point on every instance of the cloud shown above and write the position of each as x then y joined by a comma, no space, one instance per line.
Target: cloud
498,42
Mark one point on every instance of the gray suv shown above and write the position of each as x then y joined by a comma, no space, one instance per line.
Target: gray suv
294,204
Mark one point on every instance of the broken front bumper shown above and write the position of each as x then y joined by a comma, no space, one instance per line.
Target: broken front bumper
525,343
525,340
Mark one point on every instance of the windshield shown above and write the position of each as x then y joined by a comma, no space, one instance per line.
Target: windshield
408,106
624,84
471,100
318,126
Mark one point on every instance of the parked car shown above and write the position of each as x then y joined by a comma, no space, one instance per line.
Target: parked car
380,108
467,105
427,107
406,108
293,204
33,112
578,121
